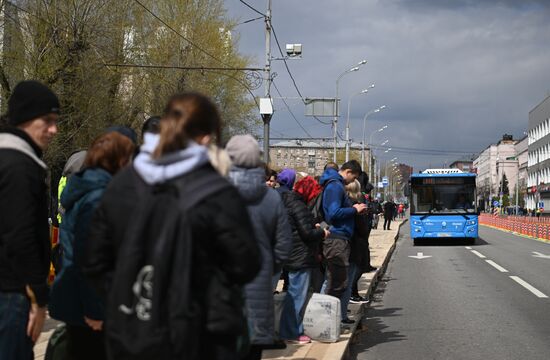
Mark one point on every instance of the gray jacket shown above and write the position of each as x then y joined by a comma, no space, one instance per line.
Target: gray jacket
273,233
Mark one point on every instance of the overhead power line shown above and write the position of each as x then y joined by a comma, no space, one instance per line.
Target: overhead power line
178,33
290,111
252,8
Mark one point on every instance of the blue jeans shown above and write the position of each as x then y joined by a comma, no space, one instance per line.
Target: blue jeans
352,271
14,316
291,325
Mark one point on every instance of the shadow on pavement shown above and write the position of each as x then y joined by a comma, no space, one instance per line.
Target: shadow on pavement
450,242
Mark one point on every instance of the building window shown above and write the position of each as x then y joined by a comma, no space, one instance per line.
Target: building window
311,161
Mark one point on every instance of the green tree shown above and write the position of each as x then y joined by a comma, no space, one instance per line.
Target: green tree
504,185
72,45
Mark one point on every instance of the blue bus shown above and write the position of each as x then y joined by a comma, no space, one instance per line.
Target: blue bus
443,205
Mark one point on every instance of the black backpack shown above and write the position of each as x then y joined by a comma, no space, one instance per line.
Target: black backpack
150,312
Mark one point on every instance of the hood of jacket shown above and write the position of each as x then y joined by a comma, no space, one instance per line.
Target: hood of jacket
330,174
83,183
16,139
249,182
178,163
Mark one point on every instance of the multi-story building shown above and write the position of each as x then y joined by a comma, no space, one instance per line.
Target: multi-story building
522,158
310,156
493,165
463,165
538,179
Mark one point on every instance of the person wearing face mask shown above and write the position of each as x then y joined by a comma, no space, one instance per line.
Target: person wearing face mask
33,112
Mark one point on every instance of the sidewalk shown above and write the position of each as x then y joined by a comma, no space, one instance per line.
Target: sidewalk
382,244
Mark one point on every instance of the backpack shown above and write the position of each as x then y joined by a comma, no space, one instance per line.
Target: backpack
57,345
316,206
150,309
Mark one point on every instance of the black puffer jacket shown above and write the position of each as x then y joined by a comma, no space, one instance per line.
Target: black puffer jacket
360,241
24,234
305,237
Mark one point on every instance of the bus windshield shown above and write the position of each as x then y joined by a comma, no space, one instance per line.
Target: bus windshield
443,198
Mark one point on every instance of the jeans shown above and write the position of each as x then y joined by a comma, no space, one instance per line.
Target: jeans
352,270
292,318
14,316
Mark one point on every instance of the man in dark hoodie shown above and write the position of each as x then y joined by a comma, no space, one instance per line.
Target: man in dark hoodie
33,110
340,215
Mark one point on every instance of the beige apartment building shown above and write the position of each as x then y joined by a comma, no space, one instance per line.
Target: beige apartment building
311,156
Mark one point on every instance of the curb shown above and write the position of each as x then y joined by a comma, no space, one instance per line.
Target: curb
372,286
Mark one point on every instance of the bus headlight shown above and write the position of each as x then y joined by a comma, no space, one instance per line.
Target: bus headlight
470,222
416,222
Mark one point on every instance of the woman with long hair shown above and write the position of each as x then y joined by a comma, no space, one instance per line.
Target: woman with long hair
223,253
73,301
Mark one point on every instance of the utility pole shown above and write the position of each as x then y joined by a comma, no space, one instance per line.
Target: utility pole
267,117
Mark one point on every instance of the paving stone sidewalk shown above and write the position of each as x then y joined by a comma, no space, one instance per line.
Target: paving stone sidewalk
381,245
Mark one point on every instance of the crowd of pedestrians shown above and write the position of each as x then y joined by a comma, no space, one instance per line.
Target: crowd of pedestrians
171,246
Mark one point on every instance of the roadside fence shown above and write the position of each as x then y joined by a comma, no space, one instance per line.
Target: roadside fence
524,225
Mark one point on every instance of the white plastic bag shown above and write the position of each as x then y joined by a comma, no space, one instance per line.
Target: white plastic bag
322,318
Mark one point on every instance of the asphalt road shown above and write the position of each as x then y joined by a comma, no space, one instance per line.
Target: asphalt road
461,303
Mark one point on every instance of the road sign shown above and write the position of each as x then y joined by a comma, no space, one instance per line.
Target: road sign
385,181
380,185
496,203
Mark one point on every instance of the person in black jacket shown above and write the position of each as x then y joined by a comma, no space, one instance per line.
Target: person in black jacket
224,244
306,239
389,208
24,238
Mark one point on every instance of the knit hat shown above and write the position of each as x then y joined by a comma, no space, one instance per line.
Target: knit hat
124,130
244,151
286,178
29,100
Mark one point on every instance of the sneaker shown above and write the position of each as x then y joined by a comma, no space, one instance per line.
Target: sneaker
358,300
301,340
348,322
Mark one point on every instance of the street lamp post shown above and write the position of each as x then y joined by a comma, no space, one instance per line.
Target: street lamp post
335,121
365,91
377,110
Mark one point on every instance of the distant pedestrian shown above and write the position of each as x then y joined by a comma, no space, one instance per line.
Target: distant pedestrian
215,255
389,209
340,215
272,234
33,112
73,301
306,240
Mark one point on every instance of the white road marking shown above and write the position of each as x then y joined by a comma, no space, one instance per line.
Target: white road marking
539,255
496,266
528,286
420,256
478,254
468,248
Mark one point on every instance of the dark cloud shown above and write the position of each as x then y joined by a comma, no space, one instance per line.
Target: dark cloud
455,78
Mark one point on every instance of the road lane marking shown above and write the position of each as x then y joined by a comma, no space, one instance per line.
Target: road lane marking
496,266
539,255
420,256
479,254
528,286
468,248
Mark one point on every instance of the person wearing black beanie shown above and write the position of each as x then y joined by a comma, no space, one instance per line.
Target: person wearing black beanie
33,110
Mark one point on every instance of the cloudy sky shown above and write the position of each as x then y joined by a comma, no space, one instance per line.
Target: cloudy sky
454,74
